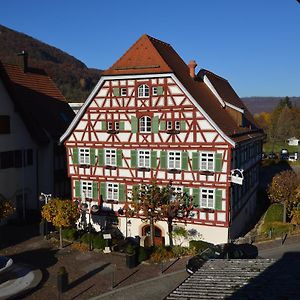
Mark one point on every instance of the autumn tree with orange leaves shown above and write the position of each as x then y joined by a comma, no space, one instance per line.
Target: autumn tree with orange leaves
61,213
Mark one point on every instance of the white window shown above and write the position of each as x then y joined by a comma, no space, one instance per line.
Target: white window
145,124
174,160
177,125
207,161
143,91
84,156
117,125
123,92
169,125
110,157
109,125
177,191
207,198
154,91
144,159
86,189
112,191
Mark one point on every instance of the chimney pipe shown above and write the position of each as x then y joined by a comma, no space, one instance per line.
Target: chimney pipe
24,60
192,65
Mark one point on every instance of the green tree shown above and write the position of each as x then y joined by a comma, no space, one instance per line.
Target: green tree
61,213
283,189
153,203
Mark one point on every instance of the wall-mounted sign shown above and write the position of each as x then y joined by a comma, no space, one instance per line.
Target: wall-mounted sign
237,176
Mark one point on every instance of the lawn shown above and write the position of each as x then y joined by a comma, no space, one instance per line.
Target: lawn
267,147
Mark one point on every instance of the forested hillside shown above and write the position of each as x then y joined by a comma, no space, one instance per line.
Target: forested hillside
71,76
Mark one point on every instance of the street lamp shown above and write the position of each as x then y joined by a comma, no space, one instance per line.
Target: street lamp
44,225
87,207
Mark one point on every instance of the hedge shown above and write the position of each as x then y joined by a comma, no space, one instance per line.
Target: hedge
274,213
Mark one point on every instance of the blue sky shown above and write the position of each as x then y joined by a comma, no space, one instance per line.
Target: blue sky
254,44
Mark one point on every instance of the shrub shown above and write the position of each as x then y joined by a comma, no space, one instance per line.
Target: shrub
143,254
179,251
161,253
86,238
70,234
274,213
80,247
98,242
199,246
130,249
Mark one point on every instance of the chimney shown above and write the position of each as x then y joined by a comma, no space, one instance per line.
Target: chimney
192,65
23,60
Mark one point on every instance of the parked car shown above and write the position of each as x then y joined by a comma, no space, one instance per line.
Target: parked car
284,154
293,156
221,251
272,155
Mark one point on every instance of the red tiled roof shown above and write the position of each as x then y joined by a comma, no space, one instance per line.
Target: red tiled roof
149,55
40,103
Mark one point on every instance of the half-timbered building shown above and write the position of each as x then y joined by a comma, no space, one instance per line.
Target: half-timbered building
151,117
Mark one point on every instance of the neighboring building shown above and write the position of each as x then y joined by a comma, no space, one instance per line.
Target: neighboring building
75,106
150,117
33,115
293,141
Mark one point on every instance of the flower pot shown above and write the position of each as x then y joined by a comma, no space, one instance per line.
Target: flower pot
131,260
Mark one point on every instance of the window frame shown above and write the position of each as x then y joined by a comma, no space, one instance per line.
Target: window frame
123,91
177,125
114,193
173,158
144,156
86,189
169,125
207,192
204,158
145,124
154,91
110,157
84,156
143,91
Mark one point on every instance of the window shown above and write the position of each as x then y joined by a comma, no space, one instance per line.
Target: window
177,125
117,126
145,124
29,157
109,125
177,190
154,91
110,157
113,126
174,160
4,124
84,156
123,92
143,91
112,191
207,198
18,158
87,189
144,159
169,125
206,161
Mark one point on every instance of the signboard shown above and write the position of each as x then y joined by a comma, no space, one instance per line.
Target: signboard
237,176
107,236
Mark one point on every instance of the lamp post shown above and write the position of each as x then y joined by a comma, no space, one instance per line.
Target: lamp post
44,198
87,207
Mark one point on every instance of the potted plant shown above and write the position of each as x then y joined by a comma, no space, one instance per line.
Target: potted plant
130,256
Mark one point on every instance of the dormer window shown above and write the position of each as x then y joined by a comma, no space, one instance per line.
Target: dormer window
143,91
145,124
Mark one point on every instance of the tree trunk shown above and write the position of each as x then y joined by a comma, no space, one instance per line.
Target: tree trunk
152,231
284,212
60,238
170,230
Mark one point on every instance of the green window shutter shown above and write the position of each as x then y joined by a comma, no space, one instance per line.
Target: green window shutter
134,124
195,161
163,159
162,125
133,154
95,190
116,91
103,190
135,192
218,162
75,156
160,90
154,127
196,197
92,156
218,199
119,158
77,188
101,157
121,192
184,160
182,125
186,191
104,125
122,125
153,159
